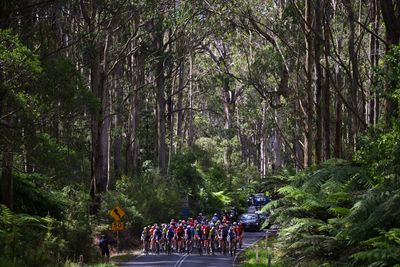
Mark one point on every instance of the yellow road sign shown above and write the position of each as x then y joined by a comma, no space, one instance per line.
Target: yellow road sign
117,226
117,213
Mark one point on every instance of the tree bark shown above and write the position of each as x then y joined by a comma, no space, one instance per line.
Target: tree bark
190,115
353,77
339,107
118,121
226,99
137,66
160,85
101,122
319,79
309,102
373,114
391,18
326,93
181,85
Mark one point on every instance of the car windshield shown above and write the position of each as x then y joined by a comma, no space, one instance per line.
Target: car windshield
249,217
263,216
260,198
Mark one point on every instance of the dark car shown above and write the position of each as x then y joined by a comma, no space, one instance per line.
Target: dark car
261,199
263,216
250,221
258,200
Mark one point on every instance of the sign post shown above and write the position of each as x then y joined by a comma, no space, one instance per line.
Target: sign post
117,213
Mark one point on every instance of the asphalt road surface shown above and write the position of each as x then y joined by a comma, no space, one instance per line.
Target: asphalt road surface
194,260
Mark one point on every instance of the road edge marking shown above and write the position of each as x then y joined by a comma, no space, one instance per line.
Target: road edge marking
180,261
240,252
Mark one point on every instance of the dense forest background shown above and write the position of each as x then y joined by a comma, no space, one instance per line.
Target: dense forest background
158,106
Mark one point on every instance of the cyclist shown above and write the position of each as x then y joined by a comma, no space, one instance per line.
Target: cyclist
213,238
232,241
179,235
157,235
215,218
200,218
239,233
206,232
145,239
223,236
188,239
198,237
152,240
170,237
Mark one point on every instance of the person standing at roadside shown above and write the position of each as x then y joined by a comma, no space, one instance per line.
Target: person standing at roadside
103,244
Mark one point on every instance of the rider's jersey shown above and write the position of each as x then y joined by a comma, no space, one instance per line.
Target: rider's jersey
239,230
213,233
231,235
179,232
188,234
157,234
170,233
224,233
199,234
146,235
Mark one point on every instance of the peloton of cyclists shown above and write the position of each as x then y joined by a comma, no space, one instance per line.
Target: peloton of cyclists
197,234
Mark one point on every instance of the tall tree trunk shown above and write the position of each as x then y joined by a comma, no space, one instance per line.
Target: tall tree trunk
171,123
391,18
339,110
118,120
190,118
326,93
374,57
227,102
100,122
160,85
137,66
263,141
354,77
240,137
308,119
277,142
319,80
181,85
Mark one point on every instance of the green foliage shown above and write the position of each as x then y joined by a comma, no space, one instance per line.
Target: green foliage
19,65
28,240
382,250
344,213
36,197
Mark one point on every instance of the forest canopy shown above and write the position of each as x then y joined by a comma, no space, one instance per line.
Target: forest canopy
175,105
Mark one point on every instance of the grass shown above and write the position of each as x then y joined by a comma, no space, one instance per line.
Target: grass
265,249
74,264
114,260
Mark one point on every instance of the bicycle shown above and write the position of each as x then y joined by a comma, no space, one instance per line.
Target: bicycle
146,245
199,245
232,246
168,248
207,245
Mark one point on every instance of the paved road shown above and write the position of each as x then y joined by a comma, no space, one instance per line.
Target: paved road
193,260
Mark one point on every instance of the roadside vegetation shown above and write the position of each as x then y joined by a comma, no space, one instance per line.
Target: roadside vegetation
266,251
171,107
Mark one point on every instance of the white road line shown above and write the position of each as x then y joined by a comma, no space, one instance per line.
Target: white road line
179,262
184,258
243,249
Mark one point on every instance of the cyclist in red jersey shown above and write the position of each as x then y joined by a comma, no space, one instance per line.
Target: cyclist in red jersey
239,233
